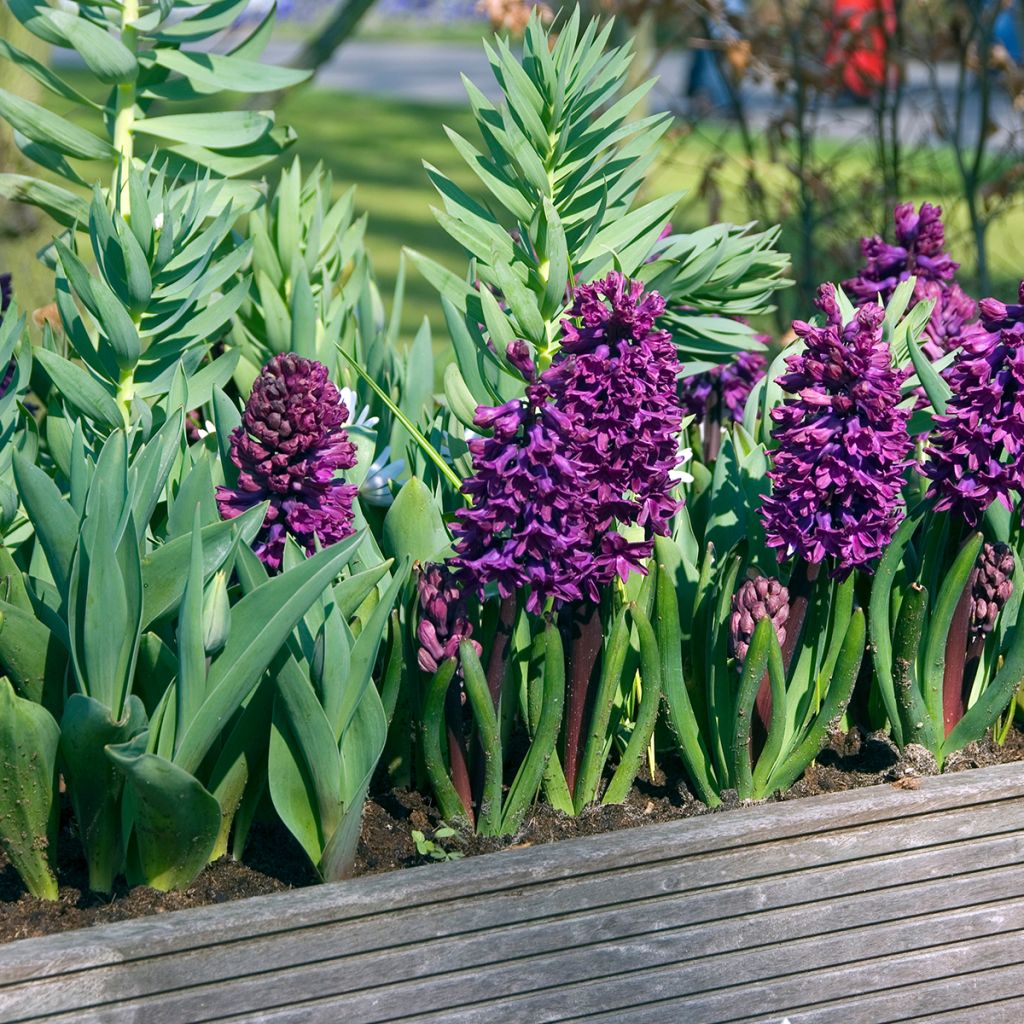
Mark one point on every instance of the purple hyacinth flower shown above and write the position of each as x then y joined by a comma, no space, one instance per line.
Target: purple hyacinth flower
976,453
616,378
919,251
843,444
524,528
443,623
5,301
997,316
289,448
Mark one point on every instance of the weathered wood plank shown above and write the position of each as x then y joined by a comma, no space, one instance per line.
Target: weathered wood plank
702,927
709,894
627,927
518,868
982,937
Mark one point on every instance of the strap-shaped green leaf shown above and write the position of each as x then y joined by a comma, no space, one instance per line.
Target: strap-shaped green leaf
260,624
174,820
40,125
29,798
218,131
163,570
229,72
94,785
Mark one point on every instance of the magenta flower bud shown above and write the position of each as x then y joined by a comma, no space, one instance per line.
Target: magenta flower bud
289,449
842,444
518,354
759,598
443,623
992,587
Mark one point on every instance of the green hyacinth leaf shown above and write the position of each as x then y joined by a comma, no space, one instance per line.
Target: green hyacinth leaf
164,570
32,657
29,802
94,785
174,820
261,623
304,768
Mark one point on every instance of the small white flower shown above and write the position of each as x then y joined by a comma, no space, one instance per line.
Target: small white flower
158,221
375,489
679,475
363,419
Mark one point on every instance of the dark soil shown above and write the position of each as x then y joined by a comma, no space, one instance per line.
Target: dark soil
274,861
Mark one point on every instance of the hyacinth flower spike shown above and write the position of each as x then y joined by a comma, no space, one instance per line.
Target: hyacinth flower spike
592,448
289,449
918,251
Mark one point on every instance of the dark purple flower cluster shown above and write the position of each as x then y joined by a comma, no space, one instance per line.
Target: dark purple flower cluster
919,251
616,377
289,449
592,447
524,528
976,453
5,301
732,382
443,623
843,443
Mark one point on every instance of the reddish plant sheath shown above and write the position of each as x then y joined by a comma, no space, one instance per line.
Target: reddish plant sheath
587,635
497,663
954,678
457,748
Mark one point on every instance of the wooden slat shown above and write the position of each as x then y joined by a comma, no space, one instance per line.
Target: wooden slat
509,870
705,919
640,897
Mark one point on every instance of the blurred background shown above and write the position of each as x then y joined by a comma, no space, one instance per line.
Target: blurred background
818,115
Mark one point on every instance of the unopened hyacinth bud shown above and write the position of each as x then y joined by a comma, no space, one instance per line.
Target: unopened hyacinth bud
755,599
992,587
443,623
289,449
842,438
918,252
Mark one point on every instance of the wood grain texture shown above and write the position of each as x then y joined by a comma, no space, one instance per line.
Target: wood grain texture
875,905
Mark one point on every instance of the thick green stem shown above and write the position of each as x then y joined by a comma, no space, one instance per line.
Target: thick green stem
124,114
647,716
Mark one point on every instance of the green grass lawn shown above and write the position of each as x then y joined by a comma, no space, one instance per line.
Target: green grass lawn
379,145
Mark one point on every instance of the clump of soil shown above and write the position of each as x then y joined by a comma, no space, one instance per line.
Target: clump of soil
274,861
